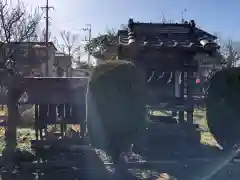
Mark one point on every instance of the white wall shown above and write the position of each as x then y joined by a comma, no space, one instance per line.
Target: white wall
51,68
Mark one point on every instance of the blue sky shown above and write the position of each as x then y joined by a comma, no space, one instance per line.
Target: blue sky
215,16
219,16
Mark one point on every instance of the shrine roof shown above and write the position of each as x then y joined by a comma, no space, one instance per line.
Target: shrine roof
162,28
165,35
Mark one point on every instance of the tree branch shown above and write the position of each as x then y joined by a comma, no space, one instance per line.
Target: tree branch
16,26
70,45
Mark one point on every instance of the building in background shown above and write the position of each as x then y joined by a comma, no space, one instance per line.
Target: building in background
82,69
63,64
207,66
30,57
40,50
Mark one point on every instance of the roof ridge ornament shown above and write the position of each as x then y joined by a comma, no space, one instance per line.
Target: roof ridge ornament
193,24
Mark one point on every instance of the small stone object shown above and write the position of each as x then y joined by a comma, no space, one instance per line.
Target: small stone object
165,176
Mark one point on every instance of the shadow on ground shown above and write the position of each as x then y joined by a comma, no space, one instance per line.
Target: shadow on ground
175,152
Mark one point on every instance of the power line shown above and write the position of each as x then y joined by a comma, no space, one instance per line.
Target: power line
47,8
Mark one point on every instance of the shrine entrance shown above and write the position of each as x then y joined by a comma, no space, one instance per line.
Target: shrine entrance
166,53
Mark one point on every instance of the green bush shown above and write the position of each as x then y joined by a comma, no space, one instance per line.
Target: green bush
119,94
222,104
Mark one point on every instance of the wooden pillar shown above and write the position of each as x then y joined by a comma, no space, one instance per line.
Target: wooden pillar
36,123
177,88
43,112
177,92
11,130
60,115
182,93
190,97
52,114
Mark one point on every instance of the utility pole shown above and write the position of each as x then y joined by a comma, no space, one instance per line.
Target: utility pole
182,15
89,29
47,8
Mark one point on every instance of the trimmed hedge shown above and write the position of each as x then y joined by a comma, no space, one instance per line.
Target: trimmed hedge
116,112
223,106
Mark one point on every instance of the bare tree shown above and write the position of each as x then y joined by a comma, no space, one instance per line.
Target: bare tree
70,44
17,25
231,55
40,35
